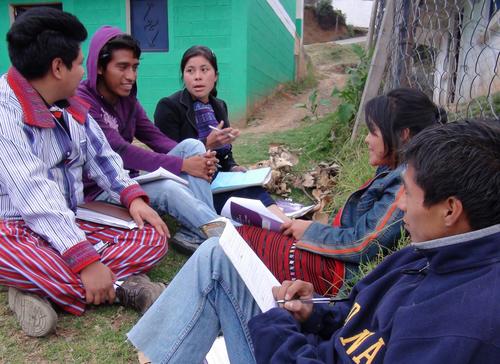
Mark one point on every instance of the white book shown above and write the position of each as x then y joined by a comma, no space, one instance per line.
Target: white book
254,273
248,211
218,352
106,213
160,173
230,181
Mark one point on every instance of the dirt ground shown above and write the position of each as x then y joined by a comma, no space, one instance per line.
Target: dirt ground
313,33
278,112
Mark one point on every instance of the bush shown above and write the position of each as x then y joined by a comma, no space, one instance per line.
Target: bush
350,95
327,16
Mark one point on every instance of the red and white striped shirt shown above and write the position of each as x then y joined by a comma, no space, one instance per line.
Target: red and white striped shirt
41,167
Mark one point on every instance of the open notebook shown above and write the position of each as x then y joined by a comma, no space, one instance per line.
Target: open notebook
257,277
160,173
251,212
230,181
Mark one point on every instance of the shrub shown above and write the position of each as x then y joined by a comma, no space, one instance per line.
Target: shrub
351,94
327,16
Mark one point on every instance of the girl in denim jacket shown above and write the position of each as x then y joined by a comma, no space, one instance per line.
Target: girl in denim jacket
369,222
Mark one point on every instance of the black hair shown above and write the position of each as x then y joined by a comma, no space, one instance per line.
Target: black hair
199,50
461,159
121,41
40,35
401,108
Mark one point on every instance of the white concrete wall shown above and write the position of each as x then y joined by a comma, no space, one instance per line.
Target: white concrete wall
357,12
479,60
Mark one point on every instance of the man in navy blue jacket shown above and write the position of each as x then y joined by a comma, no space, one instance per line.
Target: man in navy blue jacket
435,301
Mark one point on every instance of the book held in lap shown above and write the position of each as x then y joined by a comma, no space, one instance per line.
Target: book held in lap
160,173
230,181
251,212
106,213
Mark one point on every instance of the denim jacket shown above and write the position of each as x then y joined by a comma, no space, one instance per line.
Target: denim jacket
370,221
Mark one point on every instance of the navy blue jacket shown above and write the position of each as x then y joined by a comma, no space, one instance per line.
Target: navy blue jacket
433,302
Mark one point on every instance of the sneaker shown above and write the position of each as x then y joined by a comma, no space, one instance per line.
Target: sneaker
139,278
139,294
34,313
184,243
213,228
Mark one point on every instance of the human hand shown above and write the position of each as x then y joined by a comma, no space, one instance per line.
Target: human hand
220,137
98,282
238,169
295,228
200,166
211,162
141,212
290,290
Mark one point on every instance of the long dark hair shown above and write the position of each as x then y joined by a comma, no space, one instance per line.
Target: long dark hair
401,108
205,52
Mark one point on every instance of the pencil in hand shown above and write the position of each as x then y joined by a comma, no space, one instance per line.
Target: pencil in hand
314,300
220,130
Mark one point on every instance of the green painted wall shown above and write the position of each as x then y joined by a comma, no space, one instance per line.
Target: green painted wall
270,56
289,6
251,62
298,27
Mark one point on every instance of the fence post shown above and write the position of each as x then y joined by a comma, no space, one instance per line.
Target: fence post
377,65
371,29
401,60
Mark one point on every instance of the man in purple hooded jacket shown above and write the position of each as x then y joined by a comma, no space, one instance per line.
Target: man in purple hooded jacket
111,91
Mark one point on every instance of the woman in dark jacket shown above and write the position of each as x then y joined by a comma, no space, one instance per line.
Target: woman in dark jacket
196,112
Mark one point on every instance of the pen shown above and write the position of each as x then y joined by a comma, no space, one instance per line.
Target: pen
315,300
220,130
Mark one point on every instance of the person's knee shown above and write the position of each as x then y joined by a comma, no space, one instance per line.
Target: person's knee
192,147
211,250
209,247
148,235
166,190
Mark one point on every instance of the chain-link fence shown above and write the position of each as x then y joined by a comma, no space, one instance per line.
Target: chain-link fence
450,49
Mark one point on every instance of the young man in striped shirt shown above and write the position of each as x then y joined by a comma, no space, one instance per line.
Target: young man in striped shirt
47,143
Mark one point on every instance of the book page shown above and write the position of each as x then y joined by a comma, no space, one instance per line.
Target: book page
293,209
106,213
257,277
160,173
218,352
229,181
251,212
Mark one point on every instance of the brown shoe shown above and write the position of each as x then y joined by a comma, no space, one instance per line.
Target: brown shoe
139,278
213,228
139,294
34,313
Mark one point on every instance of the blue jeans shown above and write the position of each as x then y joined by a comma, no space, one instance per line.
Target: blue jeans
206,296
191,206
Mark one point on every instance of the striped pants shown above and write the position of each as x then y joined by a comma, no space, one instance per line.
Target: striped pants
29,263
279,254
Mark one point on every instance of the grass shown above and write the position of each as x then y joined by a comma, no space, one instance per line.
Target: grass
331,54
307,83
96,337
